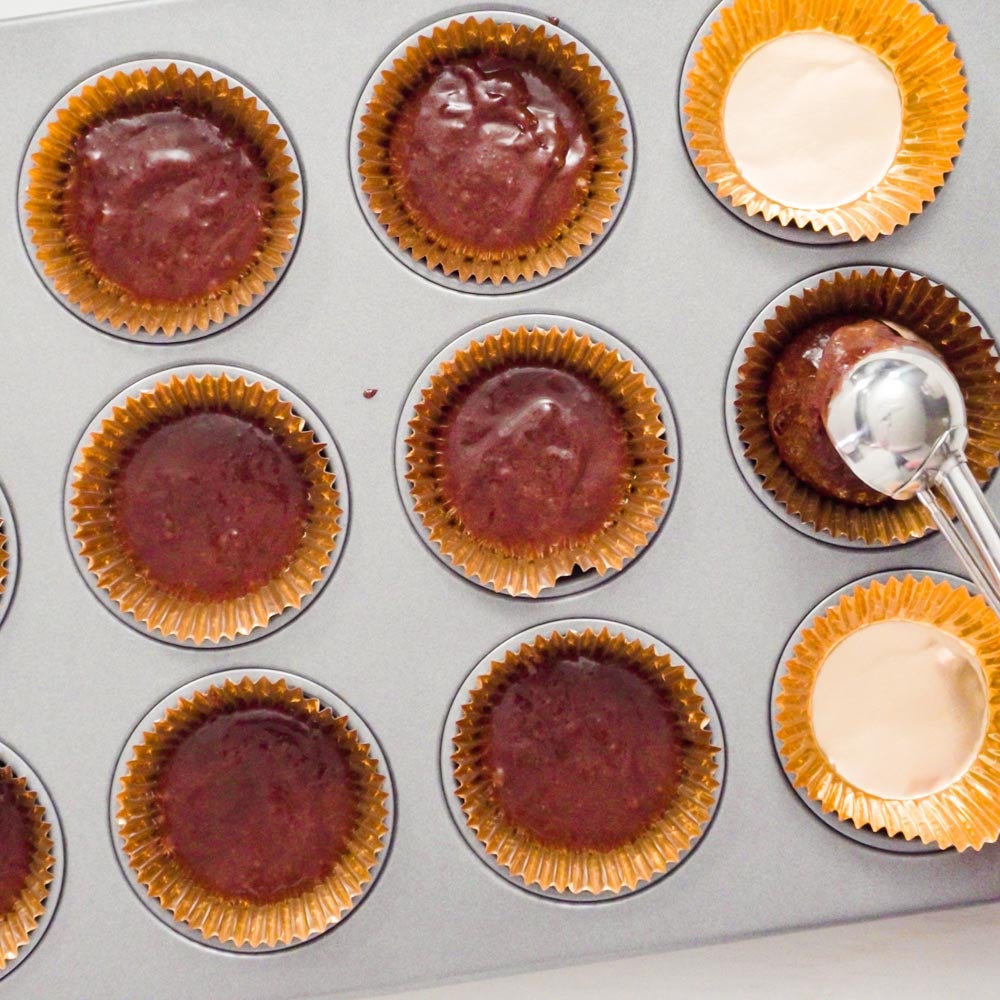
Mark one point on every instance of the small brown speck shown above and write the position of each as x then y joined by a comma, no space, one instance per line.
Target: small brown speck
369,393
553,20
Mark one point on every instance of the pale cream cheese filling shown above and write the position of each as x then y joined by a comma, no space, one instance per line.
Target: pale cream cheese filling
900,709
813,119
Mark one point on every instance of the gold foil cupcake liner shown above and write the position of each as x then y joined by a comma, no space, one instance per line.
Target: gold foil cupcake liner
931,312
964,815
20,921
906,38
8,556
649,854
532,570
126,582
65,265
3,557
241,922
573,68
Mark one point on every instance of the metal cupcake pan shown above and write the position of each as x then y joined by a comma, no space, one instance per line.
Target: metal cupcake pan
394,633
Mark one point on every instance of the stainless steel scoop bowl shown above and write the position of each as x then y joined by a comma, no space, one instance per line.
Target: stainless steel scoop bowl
898,421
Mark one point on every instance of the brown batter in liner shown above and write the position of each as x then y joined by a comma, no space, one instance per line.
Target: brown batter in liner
653,850
560,60
21,918
528,569
62,259
242,921
165,608
3,556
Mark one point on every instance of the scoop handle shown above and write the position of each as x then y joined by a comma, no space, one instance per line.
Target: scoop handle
979,547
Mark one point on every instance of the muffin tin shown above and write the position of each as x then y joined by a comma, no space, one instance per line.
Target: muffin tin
395,632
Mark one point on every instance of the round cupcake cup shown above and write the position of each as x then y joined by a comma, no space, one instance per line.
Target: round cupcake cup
483,669
8,556
312,423
46,890
879,212
250,293
848,826
436,274
311,690
830,293
577,581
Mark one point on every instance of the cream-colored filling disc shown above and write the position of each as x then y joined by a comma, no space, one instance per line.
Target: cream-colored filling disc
899,708
813,120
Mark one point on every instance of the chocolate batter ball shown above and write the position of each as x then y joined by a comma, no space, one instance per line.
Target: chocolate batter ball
805,376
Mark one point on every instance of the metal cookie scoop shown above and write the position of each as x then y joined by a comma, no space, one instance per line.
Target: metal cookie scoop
898,421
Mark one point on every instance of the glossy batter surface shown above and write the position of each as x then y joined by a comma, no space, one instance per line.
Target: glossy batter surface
165,203
491,153
15,847
211,505
534,456
582,753
257,804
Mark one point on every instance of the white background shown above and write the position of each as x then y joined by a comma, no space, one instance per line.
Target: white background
951,954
